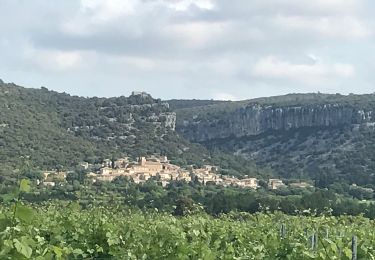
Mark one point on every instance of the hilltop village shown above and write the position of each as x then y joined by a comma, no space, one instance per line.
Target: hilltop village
160,169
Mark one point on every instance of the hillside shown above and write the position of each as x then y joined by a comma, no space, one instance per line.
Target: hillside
330,138
56,130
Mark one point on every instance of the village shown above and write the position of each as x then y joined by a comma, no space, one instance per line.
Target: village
160,169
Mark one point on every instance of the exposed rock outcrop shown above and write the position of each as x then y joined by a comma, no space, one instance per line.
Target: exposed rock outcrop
256,119
169,120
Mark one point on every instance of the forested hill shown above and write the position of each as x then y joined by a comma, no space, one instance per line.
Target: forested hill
327,138
330,138
56,130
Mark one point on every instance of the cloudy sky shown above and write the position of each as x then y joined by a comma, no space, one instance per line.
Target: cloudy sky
204,49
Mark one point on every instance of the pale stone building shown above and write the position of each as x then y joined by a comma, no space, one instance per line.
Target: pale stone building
184,176
248,183
275,184
144,165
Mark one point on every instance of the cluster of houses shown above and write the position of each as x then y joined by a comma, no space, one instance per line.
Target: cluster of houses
142,170
161,169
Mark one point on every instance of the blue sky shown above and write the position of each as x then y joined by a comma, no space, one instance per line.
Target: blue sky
201,49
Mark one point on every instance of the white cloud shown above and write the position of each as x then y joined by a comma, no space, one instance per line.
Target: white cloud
196,34
325,6
64,60
331,5
104,10
125,62
272,67
223,66
313,57
55,60
342,27
183,5
98,16
126,15
302,7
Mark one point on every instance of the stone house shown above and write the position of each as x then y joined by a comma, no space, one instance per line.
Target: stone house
275,184
248,183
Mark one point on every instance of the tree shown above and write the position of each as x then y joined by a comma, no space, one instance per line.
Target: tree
184,206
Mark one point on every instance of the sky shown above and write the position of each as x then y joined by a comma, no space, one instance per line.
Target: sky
185,49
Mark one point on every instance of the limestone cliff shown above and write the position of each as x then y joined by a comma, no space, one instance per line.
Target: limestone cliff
256,119
169,119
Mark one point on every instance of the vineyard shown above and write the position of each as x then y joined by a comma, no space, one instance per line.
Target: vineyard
66,231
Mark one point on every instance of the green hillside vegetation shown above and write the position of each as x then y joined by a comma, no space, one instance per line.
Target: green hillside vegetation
58,129
54,130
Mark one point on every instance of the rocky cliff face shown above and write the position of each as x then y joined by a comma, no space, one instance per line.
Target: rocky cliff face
256,119
169,120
